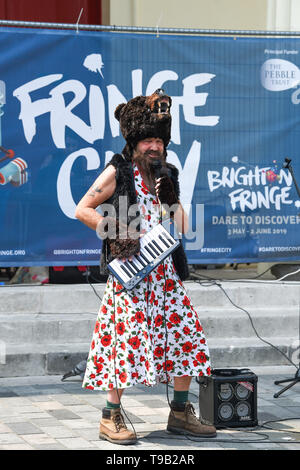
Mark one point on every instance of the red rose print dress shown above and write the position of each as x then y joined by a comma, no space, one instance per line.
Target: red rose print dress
151,333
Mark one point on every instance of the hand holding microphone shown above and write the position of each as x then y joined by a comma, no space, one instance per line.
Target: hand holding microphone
164,186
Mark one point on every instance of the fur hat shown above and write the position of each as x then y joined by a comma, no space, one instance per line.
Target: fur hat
145,116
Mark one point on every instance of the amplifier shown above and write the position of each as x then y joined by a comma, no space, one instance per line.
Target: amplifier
228,398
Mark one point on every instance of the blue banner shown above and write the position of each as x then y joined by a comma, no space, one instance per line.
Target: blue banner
235,118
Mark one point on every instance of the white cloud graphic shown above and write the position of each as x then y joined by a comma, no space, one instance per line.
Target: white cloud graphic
94,63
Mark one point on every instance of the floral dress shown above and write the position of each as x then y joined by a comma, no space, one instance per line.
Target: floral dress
150,333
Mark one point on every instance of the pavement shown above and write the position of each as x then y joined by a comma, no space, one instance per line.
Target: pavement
46,413
42,412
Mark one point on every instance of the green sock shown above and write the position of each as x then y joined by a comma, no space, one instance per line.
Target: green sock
112,406
181,397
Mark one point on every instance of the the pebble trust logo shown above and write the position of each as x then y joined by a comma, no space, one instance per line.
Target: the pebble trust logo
279,75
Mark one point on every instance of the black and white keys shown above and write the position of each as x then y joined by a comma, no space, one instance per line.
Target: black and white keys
155,245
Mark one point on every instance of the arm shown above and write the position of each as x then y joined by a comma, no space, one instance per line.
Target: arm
122,242
181,219
166,194
102,189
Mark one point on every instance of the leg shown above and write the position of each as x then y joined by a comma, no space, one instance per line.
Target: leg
114,396
112,425
181,389
182,384
182,418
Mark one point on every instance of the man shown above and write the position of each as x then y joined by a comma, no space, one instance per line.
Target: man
151,332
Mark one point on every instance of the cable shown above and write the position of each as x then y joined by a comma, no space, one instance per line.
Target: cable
264,437
88,274
216,440
166,341
264,272
263,425
209,283
265,281
251,321
288,274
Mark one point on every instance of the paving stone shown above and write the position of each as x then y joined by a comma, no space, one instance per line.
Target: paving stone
56,446
4,429
91,417
69,400
42,398
10,438
26,409
45,422
145,428
157,418
77,423
63,414
129,402
144,411
82,408
106,445
74,424
18,418
132,417
157,404
58,431
76,443
50,405
16,447
16,401
24,428
97,404
90,434
38,439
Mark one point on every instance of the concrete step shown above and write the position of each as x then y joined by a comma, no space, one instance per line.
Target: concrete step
246,352
48,329
78,327
29,359
76,298
48,359
234,323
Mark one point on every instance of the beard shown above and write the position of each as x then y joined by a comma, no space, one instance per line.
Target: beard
144,162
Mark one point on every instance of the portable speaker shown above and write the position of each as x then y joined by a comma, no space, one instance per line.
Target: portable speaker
228,398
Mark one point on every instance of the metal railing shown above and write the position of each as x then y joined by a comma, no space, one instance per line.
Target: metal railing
145,29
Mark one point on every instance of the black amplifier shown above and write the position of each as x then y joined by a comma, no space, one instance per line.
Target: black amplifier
228,398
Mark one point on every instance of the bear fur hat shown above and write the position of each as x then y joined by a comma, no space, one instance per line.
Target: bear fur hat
143,117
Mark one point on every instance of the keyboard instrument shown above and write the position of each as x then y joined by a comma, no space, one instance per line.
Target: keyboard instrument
155,246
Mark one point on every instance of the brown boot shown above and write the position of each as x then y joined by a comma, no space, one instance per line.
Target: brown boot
114,429
183,420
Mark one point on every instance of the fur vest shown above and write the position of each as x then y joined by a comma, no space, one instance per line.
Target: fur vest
125,187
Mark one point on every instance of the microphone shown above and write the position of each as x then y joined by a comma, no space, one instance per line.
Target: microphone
159,170
156,168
